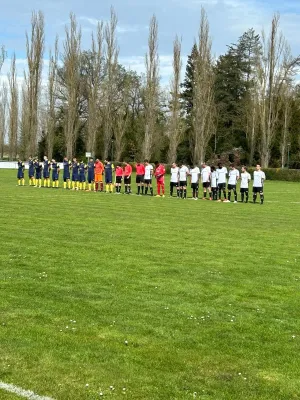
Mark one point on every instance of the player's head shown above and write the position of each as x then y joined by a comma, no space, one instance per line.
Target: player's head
53,161
97,161
45,158
146,162
156,163
65,158
174,165
232,166
220,165
244,169
258,167
212,168
74,159
203,165
125,163
30,158
91,159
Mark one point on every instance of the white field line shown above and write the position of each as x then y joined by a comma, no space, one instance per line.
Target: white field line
22,392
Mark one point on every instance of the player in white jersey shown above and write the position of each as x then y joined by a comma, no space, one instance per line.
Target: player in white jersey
195,175
174,179
213,183
245,179
183,174
221,179
234,176
148,177
205,177
258,184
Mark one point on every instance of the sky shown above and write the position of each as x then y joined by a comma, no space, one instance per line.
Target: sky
228,20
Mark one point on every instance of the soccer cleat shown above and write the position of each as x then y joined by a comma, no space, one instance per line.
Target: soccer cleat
235,202
226,201
158,195
219,201
163,196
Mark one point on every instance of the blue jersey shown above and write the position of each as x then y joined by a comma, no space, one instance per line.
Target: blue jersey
108,172
21,167
31,168
55,171
67,166
75,169
38,170
82,169
46,166
91,171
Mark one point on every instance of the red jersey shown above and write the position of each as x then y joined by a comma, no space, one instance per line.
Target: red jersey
127,170
119,171
159,173
99,168
140,169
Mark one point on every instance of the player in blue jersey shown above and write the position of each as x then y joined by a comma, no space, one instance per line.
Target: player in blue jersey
75,174
46,172
109,169
66,175
55,173
20,175
31,171
82,177
91,174
38,166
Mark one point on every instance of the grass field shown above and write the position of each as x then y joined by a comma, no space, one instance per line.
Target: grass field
172,299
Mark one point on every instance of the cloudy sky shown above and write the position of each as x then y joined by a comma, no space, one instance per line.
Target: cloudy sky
228,20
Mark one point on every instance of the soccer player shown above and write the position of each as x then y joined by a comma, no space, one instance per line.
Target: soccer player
91,174
127,177
148,177
46,172
245,179
109,169
195,175
213,183
75,174
38,166
258,184
82,177
183,174
140,173
99,170
119,177
174,179
20,174
31,172
55,174
205,177
221,178
234,176
159,174
66,176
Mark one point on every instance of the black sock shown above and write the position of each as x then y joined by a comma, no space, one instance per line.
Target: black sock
224,192
139,189
235,195
184,193
151,191
171,190
146,190
247,196
196,193
129,189
220,194
261,198
181,193
210,196
204,194
178,192
142,189
254,197
242,196
229,195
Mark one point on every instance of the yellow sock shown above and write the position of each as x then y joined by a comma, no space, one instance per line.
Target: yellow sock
77,185
69,184
84,185
40,183
93,186
29,182
107,188
19,182
80,186
73,185
34,182
23,182
111,187
65,185
53,184
57,184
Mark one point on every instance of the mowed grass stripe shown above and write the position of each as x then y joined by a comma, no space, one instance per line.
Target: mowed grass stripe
201,291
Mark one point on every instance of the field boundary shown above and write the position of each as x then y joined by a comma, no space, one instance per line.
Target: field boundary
27,394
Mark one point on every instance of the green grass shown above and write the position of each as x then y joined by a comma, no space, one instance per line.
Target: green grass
206,294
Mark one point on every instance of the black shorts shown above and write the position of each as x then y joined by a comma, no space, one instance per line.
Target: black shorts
244,190
173,184
231,187
195,185
258,189
139,179
182,183
118,179
148,181
206,185
127,180
221,186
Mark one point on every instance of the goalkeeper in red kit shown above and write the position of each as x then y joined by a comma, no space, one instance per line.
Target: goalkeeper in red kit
159,174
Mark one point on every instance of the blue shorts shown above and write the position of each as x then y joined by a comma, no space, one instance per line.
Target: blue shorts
66,177
108,180
82,178
20,175
91,178
55,177
46,175
38,175
75,178
31,173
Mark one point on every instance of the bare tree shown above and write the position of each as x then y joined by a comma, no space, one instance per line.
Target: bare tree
275,67
111,63
151,101
175,121
13,109
52,87
204,110
94,90
3,117
286,101
71,60
25,119
2,56
35,51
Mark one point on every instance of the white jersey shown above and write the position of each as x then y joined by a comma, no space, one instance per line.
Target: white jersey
214,179
221,174
183,173
148,172
205,174
245,178
234,175
174,174
195,172
258,178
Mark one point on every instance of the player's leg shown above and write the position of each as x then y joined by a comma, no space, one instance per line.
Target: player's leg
146,188
224,191
247,195
262,197
204,190
235,194
220,191
242,195
229,192
163,189
254,195
142,187
158,188
184,192
151,189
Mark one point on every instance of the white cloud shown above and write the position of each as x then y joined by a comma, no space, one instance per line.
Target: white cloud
120,28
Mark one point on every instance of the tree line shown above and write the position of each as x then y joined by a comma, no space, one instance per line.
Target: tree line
243,106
